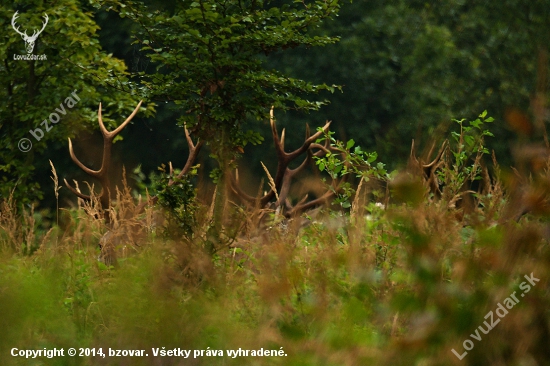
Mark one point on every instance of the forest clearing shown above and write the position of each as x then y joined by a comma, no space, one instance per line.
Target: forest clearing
274,183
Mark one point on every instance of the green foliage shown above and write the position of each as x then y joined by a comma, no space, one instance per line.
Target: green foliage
467,149
209,58
470,140
356,161
78,293
384,285
34,89
210,61
31,306
345,159
408,67
178,195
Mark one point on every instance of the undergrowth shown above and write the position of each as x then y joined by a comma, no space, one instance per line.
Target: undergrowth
403,282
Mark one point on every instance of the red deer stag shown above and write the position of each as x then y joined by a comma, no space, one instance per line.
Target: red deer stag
457,197
280,184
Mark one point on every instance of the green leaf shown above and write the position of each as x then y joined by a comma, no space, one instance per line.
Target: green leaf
469,140
477,123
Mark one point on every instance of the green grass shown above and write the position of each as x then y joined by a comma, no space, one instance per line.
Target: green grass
402,285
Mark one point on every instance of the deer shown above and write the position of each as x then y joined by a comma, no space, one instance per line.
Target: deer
428,171
459,199
29,40
280,185
280,188
104,198
274,210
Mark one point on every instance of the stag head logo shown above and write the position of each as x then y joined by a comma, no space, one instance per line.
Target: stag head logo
29,40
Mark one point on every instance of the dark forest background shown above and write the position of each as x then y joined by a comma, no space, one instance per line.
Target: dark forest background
406,68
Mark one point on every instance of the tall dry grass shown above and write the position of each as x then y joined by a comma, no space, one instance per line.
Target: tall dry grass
395,284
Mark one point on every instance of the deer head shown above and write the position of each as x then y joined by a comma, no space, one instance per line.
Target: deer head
29,40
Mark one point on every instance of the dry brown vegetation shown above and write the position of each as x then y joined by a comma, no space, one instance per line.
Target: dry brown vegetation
399,283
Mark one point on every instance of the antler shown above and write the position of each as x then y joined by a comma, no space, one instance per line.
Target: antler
103,173
284,158
428,170
284,174
193,153
194,150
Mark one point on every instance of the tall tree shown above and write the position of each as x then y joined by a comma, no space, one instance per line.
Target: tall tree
210,58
